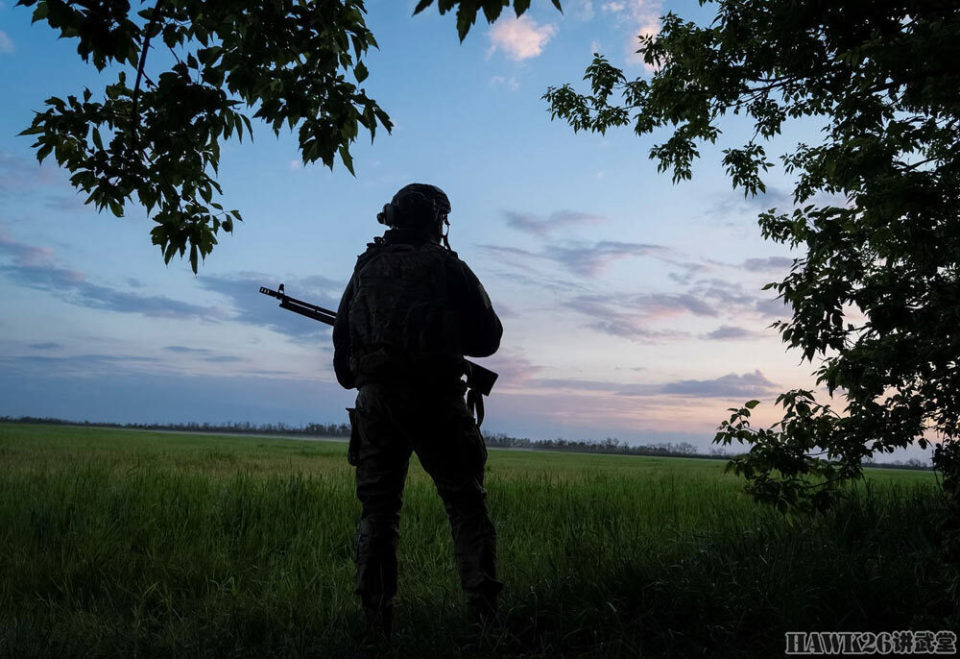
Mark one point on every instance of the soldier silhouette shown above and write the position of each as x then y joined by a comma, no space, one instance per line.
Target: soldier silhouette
409,314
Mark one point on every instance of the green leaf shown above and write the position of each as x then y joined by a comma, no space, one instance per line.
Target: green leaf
492,9
751,404
423,4
347,159
169,251
466,16
360,71
43,152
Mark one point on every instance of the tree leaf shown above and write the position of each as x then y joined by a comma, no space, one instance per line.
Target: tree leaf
423,4
360,71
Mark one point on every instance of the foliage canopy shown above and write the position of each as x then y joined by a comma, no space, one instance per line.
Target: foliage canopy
876,297
156,141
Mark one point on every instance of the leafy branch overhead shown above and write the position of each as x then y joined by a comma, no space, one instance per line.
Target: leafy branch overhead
190,74
467,10
876,205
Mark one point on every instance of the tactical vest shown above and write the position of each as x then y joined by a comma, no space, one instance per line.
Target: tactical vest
403,322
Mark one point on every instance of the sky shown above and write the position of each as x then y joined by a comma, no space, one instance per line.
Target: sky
632,307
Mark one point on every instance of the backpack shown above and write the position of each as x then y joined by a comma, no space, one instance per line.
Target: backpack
403,322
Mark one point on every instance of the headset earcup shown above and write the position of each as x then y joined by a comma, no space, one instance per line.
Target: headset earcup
386,216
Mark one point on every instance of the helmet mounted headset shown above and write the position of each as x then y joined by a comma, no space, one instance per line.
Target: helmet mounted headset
419,206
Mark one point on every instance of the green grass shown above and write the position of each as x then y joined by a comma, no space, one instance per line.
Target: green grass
130,543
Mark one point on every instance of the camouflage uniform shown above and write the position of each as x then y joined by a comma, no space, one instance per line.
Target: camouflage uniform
410,313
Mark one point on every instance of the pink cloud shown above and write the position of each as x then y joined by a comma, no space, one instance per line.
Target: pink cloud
643,17
520,38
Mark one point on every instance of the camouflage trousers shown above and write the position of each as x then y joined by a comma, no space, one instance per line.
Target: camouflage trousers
389,423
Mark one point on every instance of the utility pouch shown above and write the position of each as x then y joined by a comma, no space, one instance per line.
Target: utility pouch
353,451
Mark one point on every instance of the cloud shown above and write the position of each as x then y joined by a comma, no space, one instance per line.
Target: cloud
510,83
520,38
773,308
222,359
75,365
643,18
584,259
729,295
590,260
49,345
629,328
6,43
730,333
560,287
18,174
512,368
610,388
730,299
671,304
243,292
737,204
68,204
627,317
90,365
747,385
186,350
505,311
771,263
727,386
647,305
634,316
508,251
541,226
36,268
583,10
689,268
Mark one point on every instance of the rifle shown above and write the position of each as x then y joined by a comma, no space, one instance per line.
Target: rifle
480,380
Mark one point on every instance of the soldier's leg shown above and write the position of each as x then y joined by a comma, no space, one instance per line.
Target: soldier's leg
475,546
381,458
454,455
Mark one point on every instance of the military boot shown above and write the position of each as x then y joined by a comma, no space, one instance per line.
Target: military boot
379,618
483,611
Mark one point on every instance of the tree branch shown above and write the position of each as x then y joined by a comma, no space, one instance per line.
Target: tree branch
135,118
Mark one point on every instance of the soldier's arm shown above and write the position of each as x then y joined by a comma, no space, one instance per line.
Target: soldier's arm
482,328
341,339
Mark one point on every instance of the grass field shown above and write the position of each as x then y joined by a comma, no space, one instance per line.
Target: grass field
129,543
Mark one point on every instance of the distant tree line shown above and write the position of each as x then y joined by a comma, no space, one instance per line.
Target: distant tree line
237,427
610,445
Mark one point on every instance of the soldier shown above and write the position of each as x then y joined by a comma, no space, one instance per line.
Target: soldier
409,314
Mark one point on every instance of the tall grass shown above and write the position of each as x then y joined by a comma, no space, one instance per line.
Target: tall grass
124,543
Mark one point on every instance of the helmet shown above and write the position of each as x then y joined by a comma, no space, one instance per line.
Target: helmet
416,205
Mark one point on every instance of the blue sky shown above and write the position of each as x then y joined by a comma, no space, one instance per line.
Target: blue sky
632,307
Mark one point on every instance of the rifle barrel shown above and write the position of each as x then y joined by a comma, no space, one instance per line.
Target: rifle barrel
299,306
308,310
